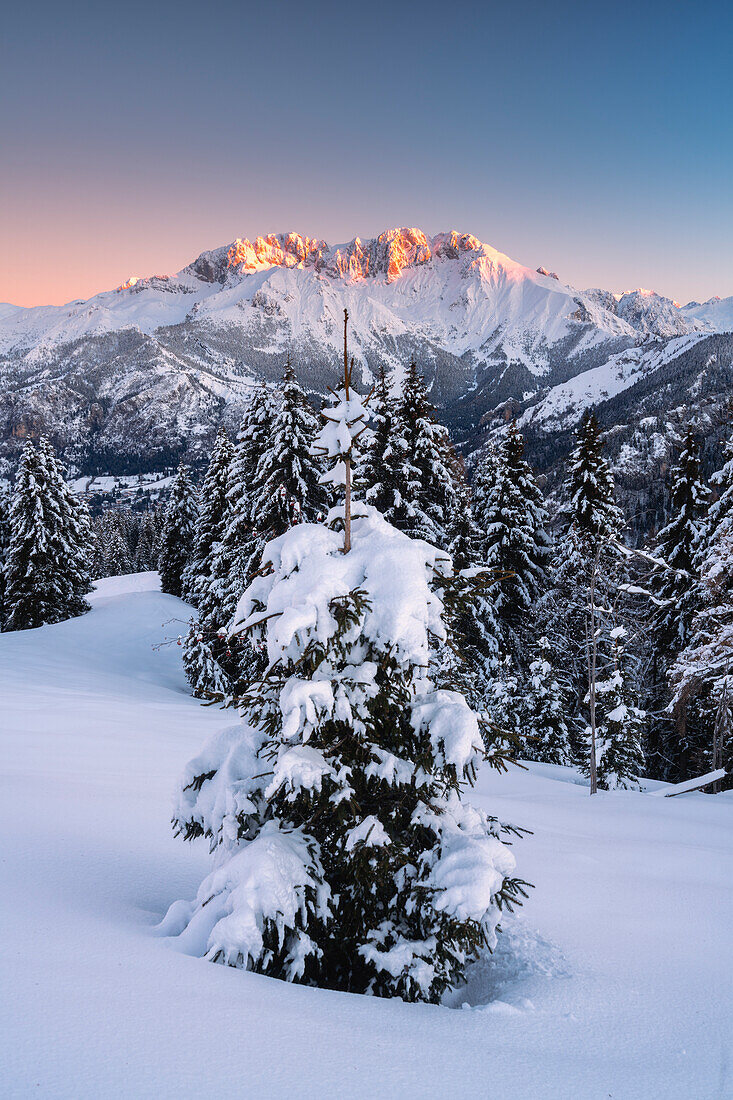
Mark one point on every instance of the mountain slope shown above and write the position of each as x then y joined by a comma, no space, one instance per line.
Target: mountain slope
137,376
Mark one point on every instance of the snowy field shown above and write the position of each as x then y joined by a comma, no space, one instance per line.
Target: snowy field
615,981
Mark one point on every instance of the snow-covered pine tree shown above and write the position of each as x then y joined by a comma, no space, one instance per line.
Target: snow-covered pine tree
231,561
427,471
46,568
586,578
620,724
702,675
677,599
287,488
203,648
211,519
474,622
382,474
4,543
677,544
179,530
510,513
592,506
543,724
346,857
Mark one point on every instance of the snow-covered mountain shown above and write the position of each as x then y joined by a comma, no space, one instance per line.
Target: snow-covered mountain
148,370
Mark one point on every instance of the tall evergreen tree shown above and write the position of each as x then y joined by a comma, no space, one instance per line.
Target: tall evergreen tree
427,469
702,675
677,598
211,522
287,486
677,545
4,544
510,513
474,623
339,802
587,578
179,530
46,569
233,558
381,477
592,506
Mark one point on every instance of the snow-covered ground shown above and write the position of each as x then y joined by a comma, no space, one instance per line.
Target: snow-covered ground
614,982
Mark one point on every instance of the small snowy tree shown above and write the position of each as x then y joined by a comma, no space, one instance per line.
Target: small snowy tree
544,730
179,530
619,752
346,855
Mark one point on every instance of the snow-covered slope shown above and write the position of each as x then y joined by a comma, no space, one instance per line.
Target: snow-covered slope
602,986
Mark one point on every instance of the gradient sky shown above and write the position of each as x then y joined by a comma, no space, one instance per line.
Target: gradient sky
595,139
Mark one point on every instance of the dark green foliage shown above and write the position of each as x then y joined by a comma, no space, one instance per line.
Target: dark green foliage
177,538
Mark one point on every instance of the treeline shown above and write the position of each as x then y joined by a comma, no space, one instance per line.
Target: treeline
582,651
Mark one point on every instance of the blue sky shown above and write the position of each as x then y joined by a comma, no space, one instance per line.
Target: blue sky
594,139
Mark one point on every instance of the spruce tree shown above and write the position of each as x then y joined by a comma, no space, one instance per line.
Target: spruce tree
179,530
288,488
474,624
677,598
545,733
677,545
381,476
701,677
510,513
426,464
346,856
592,507
587,577
232,560
211,522
4,544
205,651
46,570
619,752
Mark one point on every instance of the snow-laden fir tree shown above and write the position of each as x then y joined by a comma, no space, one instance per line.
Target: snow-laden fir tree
179,531
677,598
345,854
474,624
287,487
384,475
620,723
427,467
587,575
46,569
232,562
702,674
510,513
677,544
204,649
4,543
543,724
211,518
